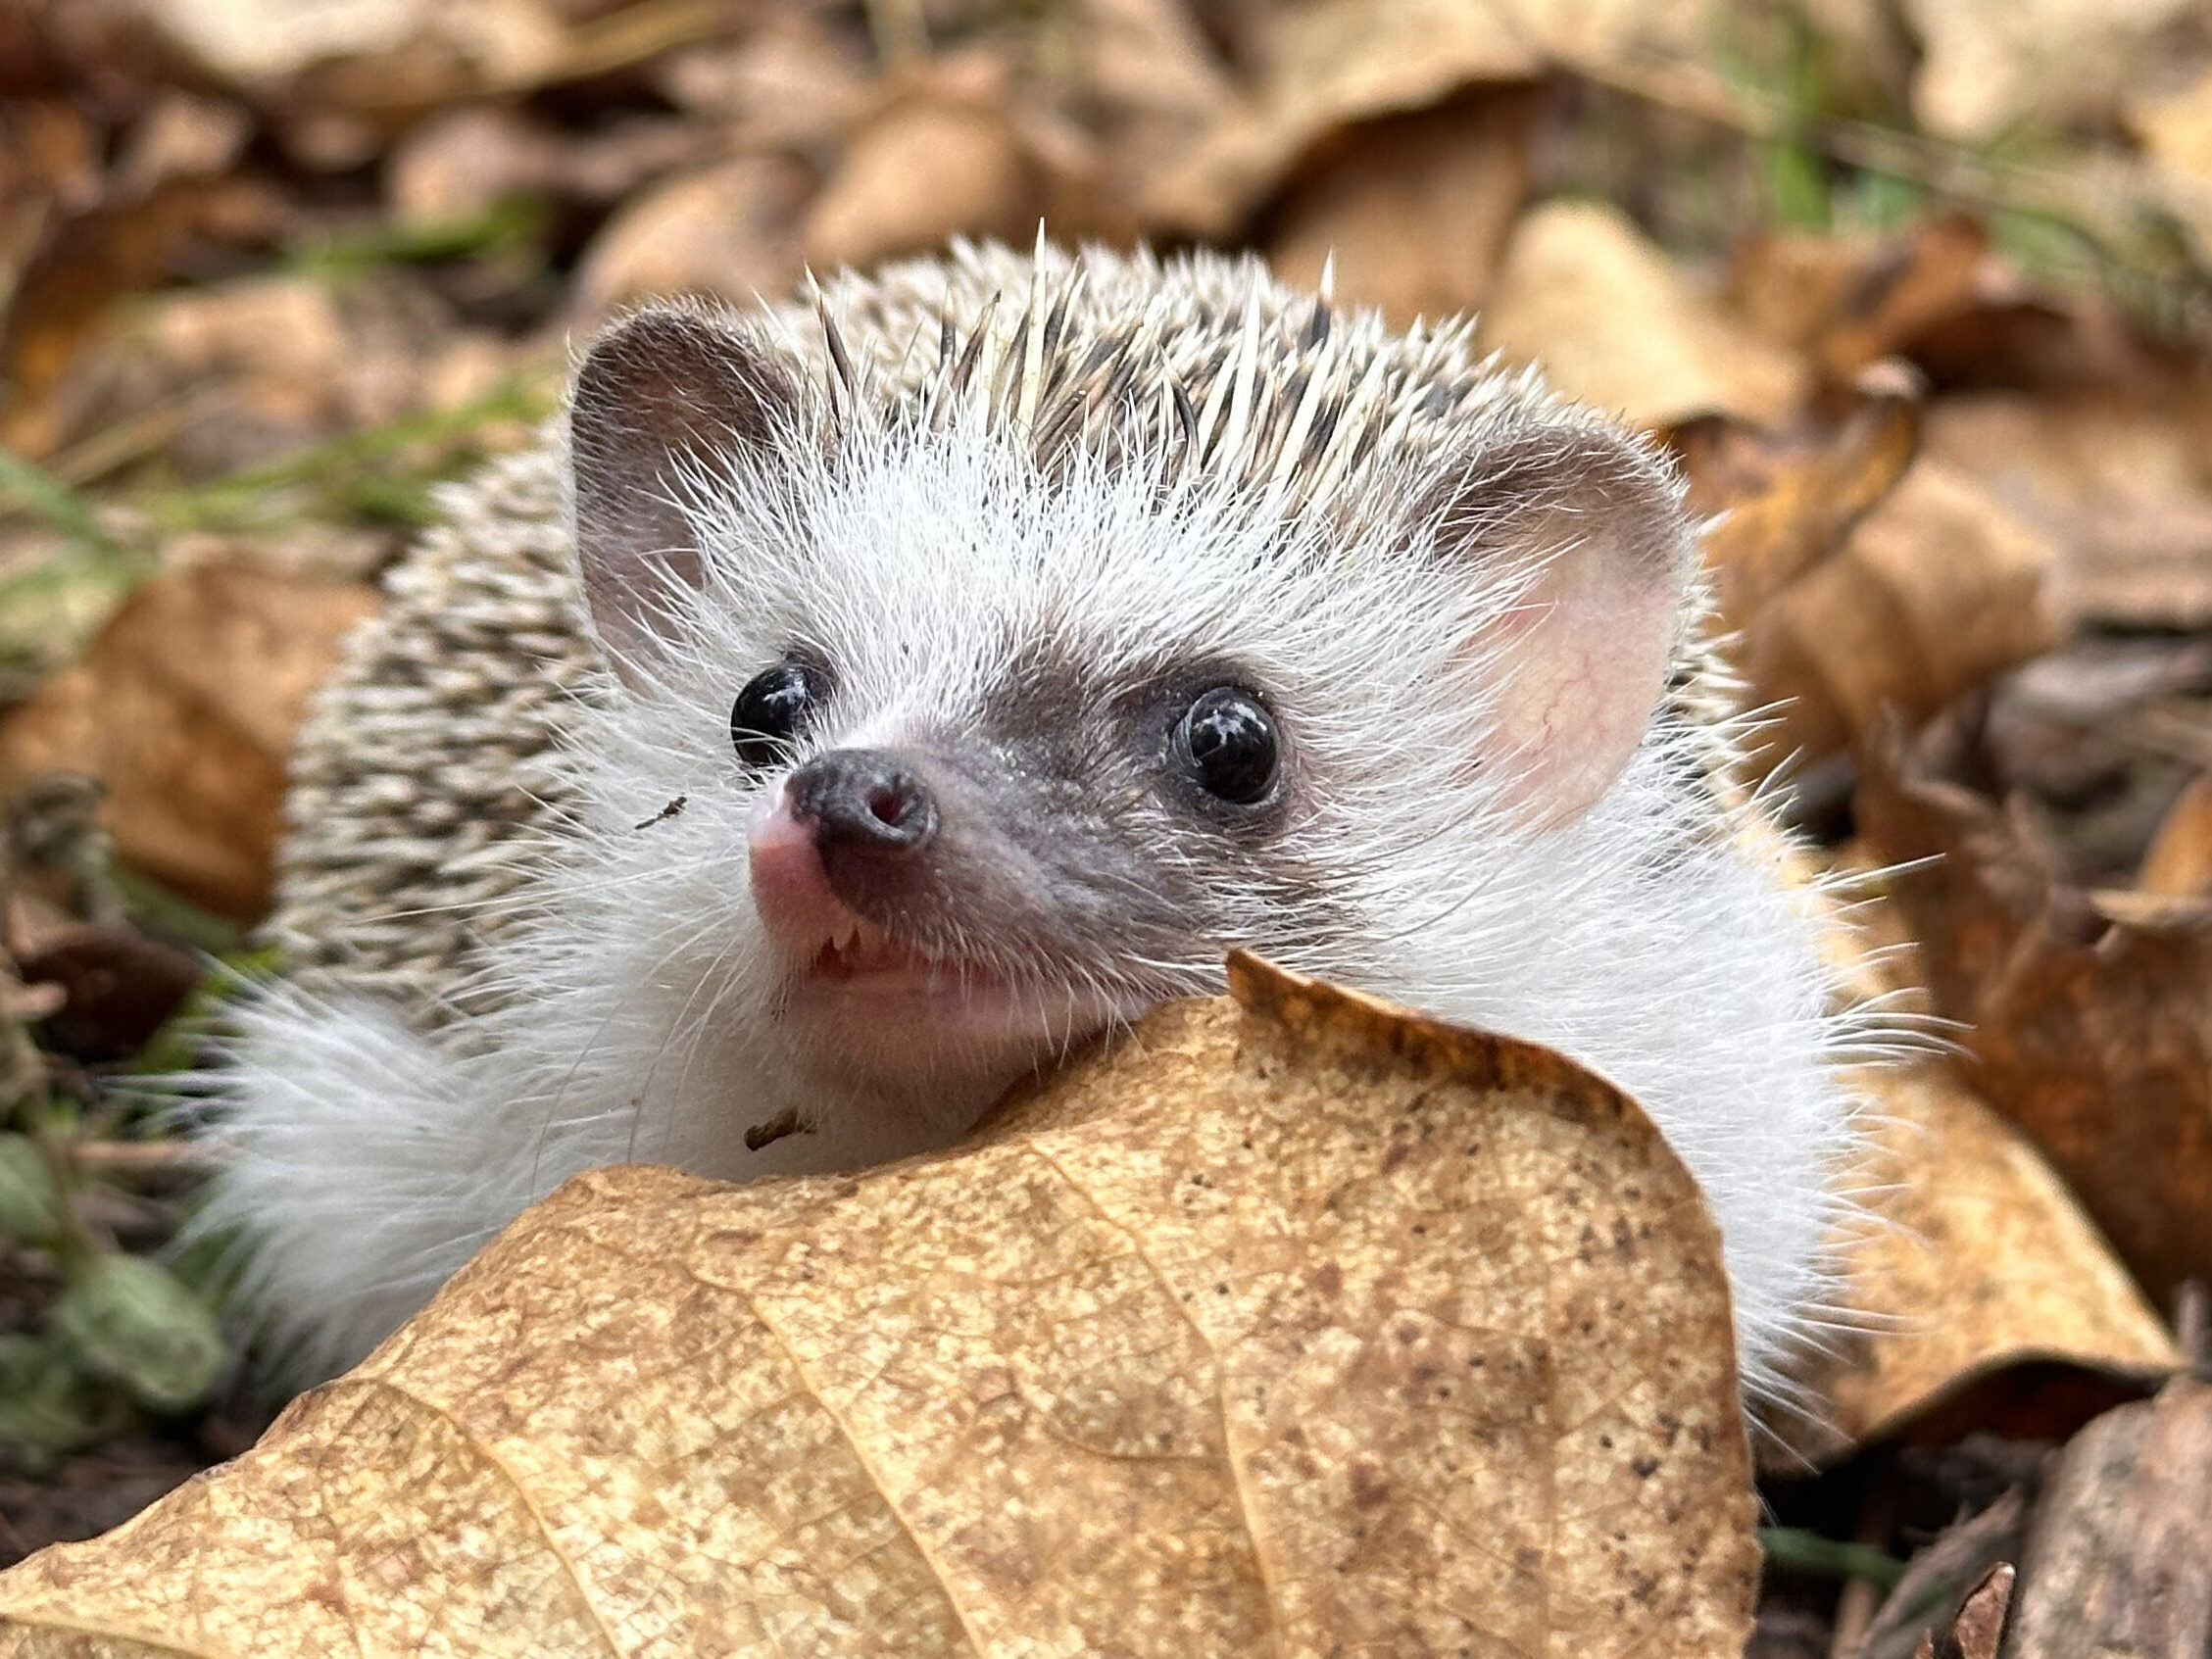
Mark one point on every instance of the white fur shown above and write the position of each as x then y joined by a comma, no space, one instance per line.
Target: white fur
630,1004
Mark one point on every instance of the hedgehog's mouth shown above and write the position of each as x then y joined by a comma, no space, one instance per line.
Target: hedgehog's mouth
858,950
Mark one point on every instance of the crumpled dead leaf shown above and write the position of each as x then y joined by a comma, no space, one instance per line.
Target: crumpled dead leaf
74,237
1936,589
1300,1326
2115,1562
2119,481
1328,65
1616,324
1974,1261
730,231
1979,1628
2094,1034
2178,864
1789,497
1847,302
258,368
184,707
954,126
1414,209
1988,65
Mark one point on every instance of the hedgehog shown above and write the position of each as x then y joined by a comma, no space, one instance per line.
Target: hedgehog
856,702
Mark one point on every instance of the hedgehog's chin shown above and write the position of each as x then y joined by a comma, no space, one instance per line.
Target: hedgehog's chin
873,1011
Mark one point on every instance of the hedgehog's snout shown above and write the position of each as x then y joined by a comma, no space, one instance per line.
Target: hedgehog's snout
858,826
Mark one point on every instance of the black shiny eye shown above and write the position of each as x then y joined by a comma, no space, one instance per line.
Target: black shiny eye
771,710
1229,741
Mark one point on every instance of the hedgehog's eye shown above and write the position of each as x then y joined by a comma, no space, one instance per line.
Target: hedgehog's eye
1228,740
771,708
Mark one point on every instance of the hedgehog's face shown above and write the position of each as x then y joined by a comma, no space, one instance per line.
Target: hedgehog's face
1017,757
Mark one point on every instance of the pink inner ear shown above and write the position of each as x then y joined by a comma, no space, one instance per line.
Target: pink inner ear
1580,666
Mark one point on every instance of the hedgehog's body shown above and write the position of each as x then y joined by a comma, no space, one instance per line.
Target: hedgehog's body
1082,622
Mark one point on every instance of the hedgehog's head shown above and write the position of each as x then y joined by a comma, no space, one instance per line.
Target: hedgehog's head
991,753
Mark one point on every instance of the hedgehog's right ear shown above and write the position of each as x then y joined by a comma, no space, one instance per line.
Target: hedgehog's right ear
662,394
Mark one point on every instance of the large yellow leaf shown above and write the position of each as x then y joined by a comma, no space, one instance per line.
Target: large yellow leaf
1291,1326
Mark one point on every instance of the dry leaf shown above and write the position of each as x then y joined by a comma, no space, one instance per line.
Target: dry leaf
728,231
1145,84
793,81
1937,589
1788,497
1301,1327
2121,483
185,706
459,164
72,243
2116,1557
1848,302
1989,64
2178,862
953,127
2094,1034
1329,63
1616,324
1960,1583
251,369
1980,1623
1414,208
1978,1262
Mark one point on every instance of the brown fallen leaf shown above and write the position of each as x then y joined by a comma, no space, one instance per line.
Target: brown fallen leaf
2120,482
247,371
1412,209
1847,302
1936,589
460,165
2117,1553
1292,1325
2178,861
1616,323
1978,1276
1951,1584
1790,495
184,707
2094,1034
2089,746
72,242
729,231
954,125
793,79
1136,84
1991,65
1326,66
1980,1623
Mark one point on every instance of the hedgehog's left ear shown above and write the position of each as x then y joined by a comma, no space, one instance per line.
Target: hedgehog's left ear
667,392
1585,526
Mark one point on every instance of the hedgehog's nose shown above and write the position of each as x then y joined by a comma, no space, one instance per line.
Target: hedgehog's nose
862,800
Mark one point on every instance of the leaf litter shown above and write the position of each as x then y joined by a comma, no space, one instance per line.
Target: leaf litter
1918,294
